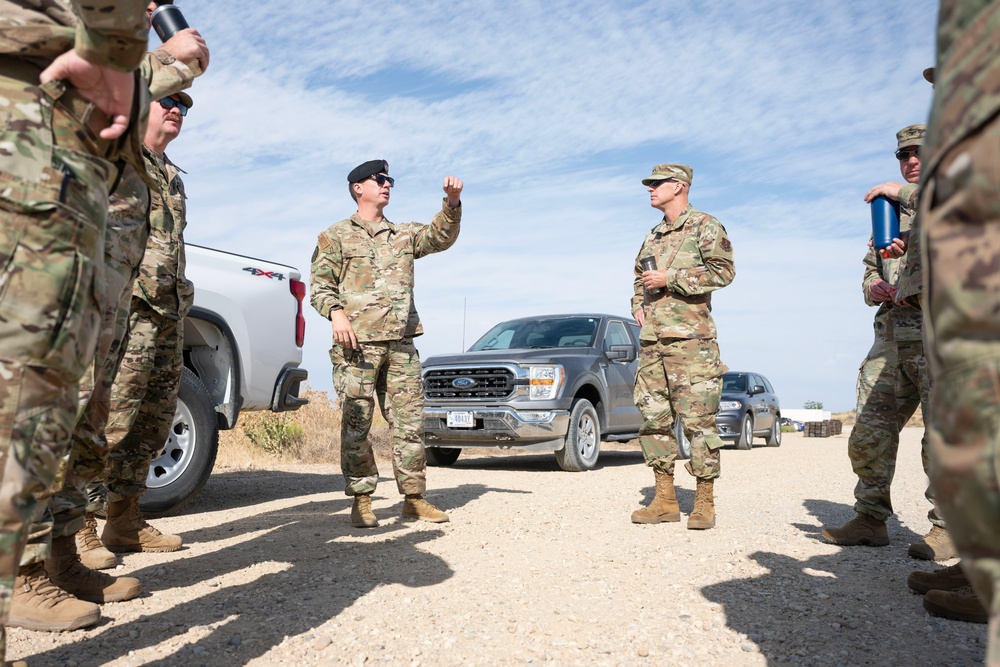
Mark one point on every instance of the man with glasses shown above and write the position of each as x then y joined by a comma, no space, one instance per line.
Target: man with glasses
362,281
144,394
679,375
892,381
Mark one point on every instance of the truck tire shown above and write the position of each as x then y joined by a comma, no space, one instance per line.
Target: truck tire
745,439
583,440
441,456
182,467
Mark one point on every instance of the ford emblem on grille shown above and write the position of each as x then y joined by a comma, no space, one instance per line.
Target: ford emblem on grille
463,383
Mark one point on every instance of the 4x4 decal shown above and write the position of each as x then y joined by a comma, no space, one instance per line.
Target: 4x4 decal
267,274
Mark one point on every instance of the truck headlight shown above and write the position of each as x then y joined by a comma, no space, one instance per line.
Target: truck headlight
730,405
544,382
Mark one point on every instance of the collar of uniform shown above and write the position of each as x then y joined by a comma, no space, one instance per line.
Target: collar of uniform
371,226
665,226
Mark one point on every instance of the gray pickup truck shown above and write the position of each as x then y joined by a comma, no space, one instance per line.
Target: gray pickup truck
559,383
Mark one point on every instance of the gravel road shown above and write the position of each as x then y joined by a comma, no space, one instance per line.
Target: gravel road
537,566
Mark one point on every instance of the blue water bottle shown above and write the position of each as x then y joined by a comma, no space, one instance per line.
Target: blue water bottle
885,222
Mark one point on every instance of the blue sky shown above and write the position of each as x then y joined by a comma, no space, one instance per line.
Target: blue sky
552,113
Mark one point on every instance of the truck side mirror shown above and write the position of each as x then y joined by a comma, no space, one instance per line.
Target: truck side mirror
621,353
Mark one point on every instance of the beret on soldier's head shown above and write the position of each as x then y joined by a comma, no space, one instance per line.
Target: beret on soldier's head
367,170
911,135
678,172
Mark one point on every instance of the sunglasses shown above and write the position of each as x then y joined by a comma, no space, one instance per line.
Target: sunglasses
382,179
904,155
656,184
169,103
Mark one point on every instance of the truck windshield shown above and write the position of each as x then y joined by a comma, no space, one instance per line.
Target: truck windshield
529,334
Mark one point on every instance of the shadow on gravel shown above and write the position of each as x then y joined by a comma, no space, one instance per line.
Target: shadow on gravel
229,490
537,461
312,566
852,607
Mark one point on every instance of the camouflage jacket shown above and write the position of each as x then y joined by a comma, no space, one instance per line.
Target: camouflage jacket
128,209
161,282
366,268
109,32
910,283
893,322
967,79
698,257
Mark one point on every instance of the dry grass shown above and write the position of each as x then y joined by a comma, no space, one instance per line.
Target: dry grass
309,434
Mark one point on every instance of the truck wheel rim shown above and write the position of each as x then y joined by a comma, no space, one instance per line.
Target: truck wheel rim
175,457
586,437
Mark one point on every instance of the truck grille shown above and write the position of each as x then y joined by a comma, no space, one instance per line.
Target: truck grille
480,383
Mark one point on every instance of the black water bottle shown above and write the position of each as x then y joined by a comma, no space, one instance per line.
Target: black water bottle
167,21
649,264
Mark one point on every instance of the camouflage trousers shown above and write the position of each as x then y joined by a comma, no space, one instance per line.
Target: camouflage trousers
892,382
680,377
143,398
960,211
53,202
70,498
391,371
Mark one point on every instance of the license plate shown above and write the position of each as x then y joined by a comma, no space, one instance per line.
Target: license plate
460,420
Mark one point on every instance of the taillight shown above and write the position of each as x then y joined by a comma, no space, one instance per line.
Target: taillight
298,289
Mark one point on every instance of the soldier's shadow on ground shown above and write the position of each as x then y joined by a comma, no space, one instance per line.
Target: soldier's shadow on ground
520,461
229,490
312,566
785,615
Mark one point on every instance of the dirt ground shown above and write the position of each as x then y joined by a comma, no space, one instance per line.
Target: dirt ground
538,566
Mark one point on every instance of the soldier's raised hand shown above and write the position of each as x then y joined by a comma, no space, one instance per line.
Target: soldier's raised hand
107,88
453,189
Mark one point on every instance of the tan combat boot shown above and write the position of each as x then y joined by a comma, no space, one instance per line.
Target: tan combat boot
93,553
38,604
663,507
950,578
936,545
415,507
960,605
67,572
861,530
361,513
703,516
126,530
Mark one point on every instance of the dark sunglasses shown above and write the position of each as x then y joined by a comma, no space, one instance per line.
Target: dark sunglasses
903,155
382,179
656,184
169,103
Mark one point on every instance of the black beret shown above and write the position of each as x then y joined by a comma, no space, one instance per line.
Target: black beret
367,170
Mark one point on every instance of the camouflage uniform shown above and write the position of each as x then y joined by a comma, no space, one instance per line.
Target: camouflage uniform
679,365
366,268
960,210
144,395
892,382
54,176
124,244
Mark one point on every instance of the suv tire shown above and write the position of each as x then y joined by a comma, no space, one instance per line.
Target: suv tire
583,440
774,437
745,439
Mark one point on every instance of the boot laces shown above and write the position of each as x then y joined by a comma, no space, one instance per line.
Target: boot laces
37,581
88,536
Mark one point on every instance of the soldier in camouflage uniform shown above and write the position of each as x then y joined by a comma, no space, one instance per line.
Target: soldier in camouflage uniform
144,394
960,244
362,281
892,381
68,99
679,366
125,239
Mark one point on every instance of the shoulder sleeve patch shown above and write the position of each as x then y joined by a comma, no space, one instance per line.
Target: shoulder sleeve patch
726,245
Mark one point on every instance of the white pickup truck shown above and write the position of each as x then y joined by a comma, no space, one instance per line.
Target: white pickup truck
242,349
